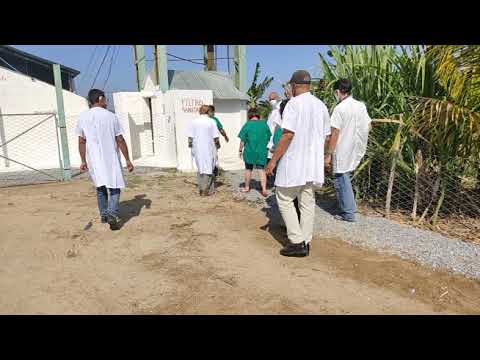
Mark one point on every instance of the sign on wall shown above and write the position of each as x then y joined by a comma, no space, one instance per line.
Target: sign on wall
187,104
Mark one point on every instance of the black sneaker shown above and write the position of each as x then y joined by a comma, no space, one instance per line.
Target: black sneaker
104,219
295,250
113,222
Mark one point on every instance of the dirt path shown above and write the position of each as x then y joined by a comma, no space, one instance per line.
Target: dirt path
178,254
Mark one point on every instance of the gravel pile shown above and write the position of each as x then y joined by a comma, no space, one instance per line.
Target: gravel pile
422,246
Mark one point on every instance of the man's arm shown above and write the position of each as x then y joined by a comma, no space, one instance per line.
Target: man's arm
82,148
224,134
282,146
122,145
331,145
240,150
217,142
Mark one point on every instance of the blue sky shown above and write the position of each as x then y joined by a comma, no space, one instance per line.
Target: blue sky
278,61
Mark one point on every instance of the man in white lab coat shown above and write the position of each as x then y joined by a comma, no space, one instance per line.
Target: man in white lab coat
203,139
305,125
100,136
347,145
273,119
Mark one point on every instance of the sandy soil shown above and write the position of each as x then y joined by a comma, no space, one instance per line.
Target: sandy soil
179,254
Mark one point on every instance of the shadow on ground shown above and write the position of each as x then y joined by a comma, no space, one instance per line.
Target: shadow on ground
131,208
275,226
327,203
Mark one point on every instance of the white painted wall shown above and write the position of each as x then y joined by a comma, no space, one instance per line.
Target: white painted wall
232,114
38,147
172,111
186,106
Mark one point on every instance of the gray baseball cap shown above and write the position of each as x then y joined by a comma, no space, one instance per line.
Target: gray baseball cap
301,77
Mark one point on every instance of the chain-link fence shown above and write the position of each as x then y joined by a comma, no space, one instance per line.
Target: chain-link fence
29,149
415,190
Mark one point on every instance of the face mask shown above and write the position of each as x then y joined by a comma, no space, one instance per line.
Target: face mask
337,97
273,102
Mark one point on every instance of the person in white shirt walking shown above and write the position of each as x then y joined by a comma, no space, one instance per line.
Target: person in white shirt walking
347,145
305,125
203,139
100,136
273,119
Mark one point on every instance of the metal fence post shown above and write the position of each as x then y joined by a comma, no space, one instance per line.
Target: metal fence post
67,171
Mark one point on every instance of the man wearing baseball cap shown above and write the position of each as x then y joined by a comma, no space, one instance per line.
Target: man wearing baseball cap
305,125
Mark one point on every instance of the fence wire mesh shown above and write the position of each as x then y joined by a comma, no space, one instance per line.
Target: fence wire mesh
417,193
447,202
29,149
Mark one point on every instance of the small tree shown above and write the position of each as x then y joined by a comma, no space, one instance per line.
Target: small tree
256,91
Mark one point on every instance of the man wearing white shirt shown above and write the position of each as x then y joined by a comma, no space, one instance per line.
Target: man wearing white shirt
100,136
347,145
272,121
305,125
203,139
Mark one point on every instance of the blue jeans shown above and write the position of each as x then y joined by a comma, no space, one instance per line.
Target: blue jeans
106,205
345,196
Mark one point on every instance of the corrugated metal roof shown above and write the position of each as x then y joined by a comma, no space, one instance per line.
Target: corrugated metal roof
220,83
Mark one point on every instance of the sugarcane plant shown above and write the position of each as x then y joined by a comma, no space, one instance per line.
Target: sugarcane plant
427,98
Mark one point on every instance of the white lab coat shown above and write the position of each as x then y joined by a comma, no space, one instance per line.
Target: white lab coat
100,127
351,117
203,130
302,163
273,119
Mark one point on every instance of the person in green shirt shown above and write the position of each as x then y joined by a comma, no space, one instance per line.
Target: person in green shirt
254,136
211,113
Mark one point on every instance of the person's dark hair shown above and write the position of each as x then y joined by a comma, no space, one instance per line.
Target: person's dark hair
253,113
94,96
282,106
344,85
211,107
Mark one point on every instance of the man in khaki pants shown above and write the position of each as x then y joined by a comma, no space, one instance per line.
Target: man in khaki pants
305,125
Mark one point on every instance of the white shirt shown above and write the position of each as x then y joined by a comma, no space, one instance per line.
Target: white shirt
273,119
100,127
351,118
203,130
302,163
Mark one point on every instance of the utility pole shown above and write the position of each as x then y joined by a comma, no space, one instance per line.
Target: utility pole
209,58
57,75
161,68
240,67
140,65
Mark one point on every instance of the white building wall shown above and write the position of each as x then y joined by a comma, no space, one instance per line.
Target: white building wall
38,147
232,114
134,115
164,130
186,106
172,111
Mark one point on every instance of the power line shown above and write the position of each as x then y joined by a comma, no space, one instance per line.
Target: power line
180,58
99,68
114,55
90,61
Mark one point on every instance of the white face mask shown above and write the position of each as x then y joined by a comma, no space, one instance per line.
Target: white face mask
337,97
273,102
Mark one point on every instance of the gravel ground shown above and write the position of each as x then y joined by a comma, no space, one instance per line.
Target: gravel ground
424,247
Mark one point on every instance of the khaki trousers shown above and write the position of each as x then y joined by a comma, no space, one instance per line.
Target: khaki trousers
297,232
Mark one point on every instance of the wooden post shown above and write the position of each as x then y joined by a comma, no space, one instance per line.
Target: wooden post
140,65
240,68
67,171
161,67
211,66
